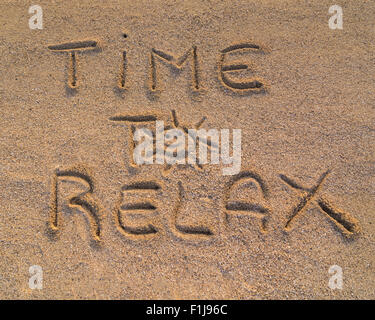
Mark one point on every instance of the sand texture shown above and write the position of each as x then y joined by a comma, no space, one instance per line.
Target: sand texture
303,201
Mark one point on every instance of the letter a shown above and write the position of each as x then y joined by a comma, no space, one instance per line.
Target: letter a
335,22
36,21
335,282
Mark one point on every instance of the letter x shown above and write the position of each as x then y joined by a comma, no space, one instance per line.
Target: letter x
345,222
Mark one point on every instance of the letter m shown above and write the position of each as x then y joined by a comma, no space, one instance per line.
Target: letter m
176,63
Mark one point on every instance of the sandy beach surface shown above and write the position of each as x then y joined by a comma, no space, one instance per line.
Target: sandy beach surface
76,208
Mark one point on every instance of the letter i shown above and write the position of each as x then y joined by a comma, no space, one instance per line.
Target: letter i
122,79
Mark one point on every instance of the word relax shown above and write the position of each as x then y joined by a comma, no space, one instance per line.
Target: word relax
225,69
142,198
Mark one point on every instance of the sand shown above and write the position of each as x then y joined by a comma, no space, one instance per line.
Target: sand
66,167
